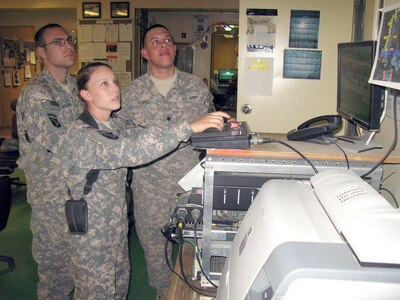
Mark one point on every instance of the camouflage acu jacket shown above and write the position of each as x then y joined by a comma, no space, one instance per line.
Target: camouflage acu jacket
187,100
111,151
44,111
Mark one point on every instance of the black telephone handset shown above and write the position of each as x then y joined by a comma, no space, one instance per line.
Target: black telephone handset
315,127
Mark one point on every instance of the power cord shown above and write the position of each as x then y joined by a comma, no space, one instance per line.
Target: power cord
168,262
344,152
196,214
183,276
169,231
180,256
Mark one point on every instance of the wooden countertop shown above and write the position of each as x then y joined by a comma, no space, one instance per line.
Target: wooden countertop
312,151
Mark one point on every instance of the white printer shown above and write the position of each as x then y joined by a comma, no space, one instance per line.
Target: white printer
334,237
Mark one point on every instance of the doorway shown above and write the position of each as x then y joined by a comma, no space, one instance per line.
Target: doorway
224,66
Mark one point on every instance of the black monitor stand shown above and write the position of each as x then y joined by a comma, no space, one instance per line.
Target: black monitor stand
356,144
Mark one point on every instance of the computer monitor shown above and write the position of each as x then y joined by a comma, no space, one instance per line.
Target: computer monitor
358,102
226,74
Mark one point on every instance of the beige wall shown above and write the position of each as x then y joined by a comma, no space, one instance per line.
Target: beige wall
35,4
38,17
198,4
294,100
371,25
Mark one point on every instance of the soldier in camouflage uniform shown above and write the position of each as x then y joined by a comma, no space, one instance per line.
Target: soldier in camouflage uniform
99,258
163,95
47,104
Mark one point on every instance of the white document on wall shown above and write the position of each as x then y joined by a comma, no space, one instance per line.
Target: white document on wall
118,65
86,33
258,77
27,71
86,51
125,32
7,78
124,51
111,33
99,50
99,33
32,57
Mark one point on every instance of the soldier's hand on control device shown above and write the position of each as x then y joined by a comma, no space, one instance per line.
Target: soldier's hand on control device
214,119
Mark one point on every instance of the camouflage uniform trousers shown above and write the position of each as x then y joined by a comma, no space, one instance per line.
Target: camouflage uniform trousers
152,207
99,259
155,190
49,249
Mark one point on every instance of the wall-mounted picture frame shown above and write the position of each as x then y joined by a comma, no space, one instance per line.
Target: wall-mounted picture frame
91,10
119,9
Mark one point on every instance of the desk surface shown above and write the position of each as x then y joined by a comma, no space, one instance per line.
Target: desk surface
312,151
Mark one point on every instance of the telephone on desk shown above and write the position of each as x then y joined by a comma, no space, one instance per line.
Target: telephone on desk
315,128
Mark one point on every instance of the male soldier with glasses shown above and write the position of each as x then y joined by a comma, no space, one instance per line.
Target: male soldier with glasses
46,106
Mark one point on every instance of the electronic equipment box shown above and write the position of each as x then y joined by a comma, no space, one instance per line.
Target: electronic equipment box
235,135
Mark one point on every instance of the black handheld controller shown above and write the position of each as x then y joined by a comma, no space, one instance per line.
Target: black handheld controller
235,135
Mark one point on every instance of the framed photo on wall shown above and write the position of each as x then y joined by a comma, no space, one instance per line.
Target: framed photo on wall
91,10
119,9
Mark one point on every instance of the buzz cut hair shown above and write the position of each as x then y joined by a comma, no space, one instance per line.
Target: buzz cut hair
39,40
151,28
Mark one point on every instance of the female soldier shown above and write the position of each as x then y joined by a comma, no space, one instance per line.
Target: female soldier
102,145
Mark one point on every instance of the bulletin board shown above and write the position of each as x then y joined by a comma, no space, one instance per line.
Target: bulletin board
17,67
108,41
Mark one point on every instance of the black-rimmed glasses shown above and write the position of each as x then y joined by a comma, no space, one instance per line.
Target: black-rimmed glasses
61,42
